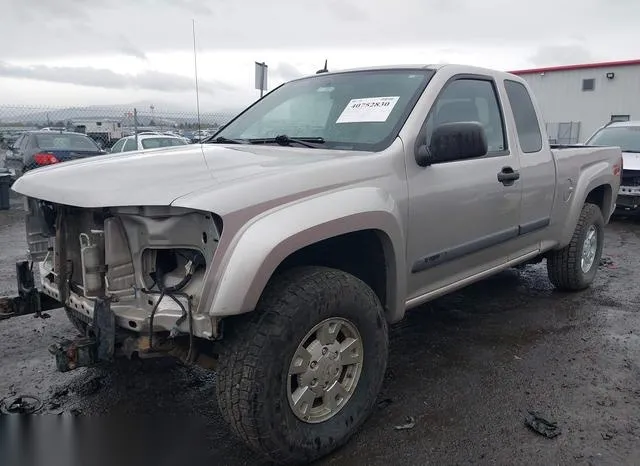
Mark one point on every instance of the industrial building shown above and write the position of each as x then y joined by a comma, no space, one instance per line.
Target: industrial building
576,100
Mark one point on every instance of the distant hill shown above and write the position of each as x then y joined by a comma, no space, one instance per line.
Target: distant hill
161,114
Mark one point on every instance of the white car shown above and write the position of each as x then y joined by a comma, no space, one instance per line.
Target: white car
626,135
147,141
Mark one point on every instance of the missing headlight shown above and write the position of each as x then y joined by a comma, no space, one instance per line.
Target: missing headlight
171,269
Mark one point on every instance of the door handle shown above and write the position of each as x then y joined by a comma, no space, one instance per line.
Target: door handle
508,176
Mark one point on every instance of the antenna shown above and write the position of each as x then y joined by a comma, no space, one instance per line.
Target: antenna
325,69
195,66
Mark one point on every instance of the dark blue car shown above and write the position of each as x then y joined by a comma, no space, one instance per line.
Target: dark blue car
35,149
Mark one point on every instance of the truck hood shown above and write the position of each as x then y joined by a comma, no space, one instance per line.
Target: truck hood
163,176
631,161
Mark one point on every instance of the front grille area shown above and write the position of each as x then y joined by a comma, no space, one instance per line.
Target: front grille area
631,178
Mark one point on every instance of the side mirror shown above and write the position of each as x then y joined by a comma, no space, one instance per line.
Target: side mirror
454,141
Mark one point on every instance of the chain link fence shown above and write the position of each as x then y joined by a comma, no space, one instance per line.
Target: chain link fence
564,132
107,124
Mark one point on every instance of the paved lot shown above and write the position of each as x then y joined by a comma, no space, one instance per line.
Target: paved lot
467,367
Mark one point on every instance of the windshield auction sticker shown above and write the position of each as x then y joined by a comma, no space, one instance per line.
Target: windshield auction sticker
367,110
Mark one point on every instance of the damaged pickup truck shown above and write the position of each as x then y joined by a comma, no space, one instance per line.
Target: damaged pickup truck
279,251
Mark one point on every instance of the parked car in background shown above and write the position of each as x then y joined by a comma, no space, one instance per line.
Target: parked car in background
177,135
200,136
626,135
35,149
147,141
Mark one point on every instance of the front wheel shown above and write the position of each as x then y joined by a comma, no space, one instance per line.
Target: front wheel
574,267
300,375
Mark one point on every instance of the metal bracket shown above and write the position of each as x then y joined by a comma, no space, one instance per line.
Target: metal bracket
104,327
87,351
29,300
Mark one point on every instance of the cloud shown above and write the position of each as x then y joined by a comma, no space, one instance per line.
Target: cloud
95,77
347,10
550,55
286,72
48,29
127,48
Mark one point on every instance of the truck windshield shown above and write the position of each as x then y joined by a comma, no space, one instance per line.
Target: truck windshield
359,110
625,137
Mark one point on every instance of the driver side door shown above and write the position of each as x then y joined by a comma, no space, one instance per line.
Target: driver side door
462,219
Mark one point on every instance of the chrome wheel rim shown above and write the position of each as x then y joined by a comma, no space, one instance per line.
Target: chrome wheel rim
589,249
325,370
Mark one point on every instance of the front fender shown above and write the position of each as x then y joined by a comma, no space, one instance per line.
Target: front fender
274,235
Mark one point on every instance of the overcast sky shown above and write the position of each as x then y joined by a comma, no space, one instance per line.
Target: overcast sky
74,52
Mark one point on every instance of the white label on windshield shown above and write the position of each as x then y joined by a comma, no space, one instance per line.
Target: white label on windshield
367,110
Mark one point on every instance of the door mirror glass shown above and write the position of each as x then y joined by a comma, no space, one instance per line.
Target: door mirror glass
454,141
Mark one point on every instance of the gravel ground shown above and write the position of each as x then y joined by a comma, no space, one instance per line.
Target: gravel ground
466,367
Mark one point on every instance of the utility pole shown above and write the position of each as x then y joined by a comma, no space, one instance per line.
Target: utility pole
135,125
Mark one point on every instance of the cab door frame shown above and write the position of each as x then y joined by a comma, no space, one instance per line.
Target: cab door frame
450,236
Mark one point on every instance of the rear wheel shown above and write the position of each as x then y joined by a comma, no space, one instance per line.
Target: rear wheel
300,375
574,267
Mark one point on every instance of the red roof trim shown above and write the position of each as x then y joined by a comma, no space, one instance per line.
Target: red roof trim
583,66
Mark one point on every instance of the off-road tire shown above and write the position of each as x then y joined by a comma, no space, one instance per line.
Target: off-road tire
79,324
563,266
258,348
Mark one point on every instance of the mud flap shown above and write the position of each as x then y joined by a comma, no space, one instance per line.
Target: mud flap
89,350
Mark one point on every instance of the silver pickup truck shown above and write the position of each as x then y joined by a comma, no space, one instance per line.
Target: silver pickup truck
279,251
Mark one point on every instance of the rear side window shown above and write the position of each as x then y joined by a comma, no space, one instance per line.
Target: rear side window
525,116
19,141
154,143
117,147
130,145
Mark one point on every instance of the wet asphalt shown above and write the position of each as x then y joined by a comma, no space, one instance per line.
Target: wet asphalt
466,368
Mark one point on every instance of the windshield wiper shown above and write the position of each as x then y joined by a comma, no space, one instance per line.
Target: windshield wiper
285,140
223,140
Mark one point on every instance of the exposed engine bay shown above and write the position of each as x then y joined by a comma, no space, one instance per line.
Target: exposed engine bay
150,263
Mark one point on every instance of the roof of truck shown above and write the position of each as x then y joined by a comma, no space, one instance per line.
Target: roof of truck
470,68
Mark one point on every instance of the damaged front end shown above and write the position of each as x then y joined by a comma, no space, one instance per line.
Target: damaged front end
146,265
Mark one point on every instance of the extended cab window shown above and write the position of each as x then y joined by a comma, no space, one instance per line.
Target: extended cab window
525,116
470,100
